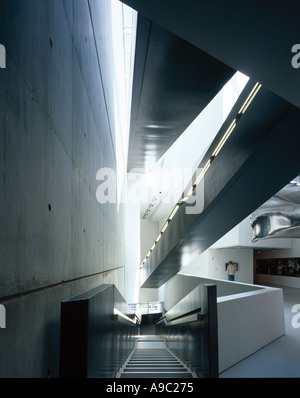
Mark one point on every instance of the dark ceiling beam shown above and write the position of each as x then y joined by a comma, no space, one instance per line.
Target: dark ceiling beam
173,82
255,37
258,159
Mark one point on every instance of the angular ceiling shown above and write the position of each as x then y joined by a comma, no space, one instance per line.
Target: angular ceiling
262,148
254,37
261,154
173,82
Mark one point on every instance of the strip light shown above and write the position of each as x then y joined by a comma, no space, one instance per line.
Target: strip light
218,148
117,312
248,101
224,138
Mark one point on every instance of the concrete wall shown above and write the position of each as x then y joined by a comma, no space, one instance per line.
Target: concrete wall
57,116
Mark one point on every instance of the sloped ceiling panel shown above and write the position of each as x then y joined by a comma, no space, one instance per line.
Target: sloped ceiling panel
173,82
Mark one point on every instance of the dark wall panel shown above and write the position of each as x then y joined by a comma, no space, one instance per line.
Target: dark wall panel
95,342
190,330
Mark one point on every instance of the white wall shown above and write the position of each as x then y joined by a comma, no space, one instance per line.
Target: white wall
249,316
248,322
149,232
211,264
132,252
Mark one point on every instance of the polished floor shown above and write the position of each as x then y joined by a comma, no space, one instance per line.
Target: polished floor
279,359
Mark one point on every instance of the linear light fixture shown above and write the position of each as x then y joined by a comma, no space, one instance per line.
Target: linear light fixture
250,98
158,238
215,153
224,138
174,212
165,227
117,312
203,171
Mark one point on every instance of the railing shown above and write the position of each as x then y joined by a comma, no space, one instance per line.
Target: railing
190,330
98,333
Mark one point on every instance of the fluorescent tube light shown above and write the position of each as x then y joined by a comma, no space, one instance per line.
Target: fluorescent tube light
165,227
117,312
248,101
224,138
174,212
158,238
204,170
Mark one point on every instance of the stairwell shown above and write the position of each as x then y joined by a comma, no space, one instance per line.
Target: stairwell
151,358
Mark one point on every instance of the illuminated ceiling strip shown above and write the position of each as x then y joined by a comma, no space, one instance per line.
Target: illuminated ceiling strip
174,212
203,171
250,98
225,137
158,238
165,227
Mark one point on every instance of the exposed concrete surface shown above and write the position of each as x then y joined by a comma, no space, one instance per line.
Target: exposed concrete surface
57,110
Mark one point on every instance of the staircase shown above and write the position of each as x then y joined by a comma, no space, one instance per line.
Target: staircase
151,358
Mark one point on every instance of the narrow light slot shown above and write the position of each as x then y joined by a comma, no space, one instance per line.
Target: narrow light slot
174,212
158,238
250,98
153,246
188,195
224,138
201,175
165,227
117,312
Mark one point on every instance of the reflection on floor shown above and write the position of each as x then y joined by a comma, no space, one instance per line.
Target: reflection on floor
280,358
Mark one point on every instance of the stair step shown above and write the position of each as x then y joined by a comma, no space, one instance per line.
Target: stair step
156,374
151,358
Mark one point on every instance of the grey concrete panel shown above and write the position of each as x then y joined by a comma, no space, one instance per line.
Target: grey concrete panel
57,132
